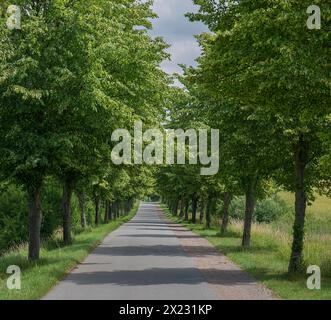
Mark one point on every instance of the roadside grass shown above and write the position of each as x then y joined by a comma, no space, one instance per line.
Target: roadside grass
318,215
320,207
267,259
56,261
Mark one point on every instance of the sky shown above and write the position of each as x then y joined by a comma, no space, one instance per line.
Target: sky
177,31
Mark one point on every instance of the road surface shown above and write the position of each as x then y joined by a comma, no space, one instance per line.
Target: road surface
151,258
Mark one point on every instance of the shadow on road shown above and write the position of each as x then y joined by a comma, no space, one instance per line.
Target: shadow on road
149,235
153,250
159,276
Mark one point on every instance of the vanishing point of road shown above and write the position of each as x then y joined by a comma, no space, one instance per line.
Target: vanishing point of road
152,258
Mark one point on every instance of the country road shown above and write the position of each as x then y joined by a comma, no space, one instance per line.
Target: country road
151,258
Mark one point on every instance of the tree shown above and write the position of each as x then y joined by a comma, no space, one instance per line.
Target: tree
27,107
266,58
99,72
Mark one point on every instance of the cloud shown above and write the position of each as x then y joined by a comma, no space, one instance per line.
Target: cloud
177,31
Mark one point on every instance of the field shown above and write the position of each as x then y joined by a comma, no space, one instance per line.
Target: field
267,259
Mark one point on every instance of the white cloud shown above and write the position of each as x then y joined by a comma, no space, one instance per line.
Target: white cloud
177,31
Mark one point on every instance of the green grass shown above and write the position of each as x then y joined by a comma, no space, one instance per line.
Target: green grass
318,214
38,278
317,249
321,207
267,259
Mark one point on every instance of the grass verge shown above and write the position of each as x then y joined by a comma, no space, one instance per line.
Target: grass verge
266,260
38,278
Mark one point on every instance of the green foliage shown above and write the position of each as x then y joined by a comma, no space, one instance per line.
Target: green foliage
13,217
14,214
51,199
74,73
267,210
263,79
270,209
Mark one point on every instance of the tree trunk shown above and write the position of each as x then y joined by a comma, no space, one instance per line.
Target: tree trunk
116,211
300,162
119,208
182,208
176,207
97,210
187,205
194,209
249,211
113,210
208,212
81,204
127,207
34,222
202,209
106,217
225,218
66,212
110,211
172,207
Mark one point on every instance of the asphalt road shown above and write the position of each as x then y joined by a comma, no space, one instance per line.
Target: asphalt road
151,258
143,259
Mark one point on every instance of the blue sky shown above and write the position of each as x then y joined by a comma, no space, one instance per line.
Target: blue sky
177,31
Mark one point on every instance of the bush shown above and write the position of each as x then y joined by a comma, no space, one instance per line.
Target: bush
14,215
266,210
270,209
237,208
51,208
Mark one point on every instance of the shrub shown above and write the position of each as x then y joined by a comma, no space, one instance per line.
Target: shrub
266,210
51,208
270,209
13,217
14,214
